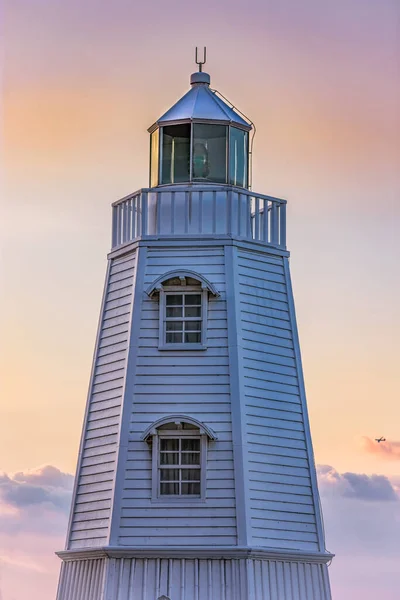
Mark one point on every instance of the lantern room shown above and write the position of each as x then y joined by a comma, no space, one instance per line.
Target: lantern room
201,139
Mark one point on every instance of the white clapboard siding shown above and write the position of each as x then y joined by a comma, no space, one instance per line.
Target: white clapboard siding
95,477
189,383
280,493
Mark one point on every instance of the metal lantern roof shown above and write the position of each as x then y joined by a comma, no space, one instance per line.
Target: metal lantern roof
201,103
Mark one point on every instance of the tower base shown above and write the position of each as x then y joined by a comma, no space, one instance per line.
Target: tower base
104,577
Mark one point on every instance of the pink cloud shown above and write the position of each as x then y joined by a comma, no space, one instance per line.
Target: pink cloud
387,450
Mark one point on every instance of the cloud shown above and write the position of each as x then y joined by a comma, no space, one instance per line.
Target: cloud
46,485
358,486
387,450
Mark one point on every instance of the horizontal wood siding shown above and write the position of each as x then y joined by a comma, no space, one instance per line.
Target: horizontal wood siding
281,499
194,383
90,522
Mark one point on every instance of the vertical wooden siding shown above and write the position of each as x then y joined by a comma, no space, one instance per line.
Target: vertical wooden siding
91,515
281,499
195,383
82,580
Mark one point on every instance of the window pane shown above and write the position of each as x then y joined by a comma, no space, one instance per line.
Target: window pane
169,489
191,489
174,325
174,338
193,326
172,445
174,311
192,299
154,141
175,153
192,311
189,444
191,458
169,475
170,458
209,152
192,338
238,157
190,474
174,300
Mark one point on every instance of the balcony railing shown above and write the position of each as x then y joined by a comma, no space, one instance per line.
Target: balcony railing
199,211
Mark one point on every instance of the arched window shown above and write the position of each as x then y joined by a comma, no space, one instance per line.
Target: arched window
179,458
183,302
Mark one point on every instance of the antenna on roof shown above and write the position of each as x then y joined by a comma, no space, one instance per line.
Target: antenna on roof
201,62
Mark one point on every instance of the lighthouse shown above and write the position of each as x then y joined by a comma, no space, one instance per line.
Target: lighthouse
196,477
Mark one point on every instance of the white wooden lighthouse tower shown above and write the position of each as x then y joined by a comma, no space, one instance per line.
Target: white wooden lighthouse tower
196,477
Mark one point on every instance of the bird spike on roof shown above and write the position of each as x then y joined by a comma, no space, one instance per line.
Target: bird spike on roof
201,103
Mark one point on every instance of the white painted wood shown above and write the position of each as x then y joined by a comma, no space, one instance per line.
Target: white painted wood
135,578
246,387
94,481
204,210
276,437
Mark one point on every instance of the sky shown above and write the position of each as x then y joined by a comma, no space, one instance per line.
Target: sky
82,80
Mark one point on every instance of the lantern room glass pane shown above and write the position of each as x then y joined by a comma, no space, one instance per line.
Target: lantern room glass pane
154,157
175,154
209,153
238,153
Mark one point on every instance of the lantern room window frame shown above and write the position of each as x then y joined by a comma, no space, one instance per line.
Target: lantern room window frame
158,132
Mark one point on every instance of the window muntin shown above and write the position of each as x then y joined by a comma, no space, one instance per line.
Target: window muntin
183,318
238,157
154,158
179,466
209,152
175,156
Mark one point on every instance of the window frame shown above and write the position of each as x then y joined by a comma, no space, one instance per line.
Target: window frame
182,289
156,469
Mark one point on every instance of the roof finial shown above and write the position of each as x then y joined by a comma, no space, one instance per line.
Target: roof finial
201,62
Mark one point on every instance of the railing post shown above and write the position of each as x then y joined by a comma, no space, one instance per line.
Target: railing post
282,225
274,224
265,221
144,205
158,212
114,235
257,219
229,211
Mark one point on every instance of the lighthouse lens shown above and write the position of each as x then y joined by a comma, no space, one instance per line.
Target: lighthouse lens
209,152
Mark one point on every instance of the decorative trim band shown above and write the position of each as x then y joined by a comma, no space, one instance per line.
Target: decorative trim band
196,552
204,240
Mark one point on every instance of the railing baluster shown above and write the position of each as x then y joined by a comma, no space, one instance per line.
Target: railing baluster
214,211
257,219
173,212
114,231
158,212
265,221
229,212
239,213
144,202
200,212
119,220
135,223
249,201
274,224
187,211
